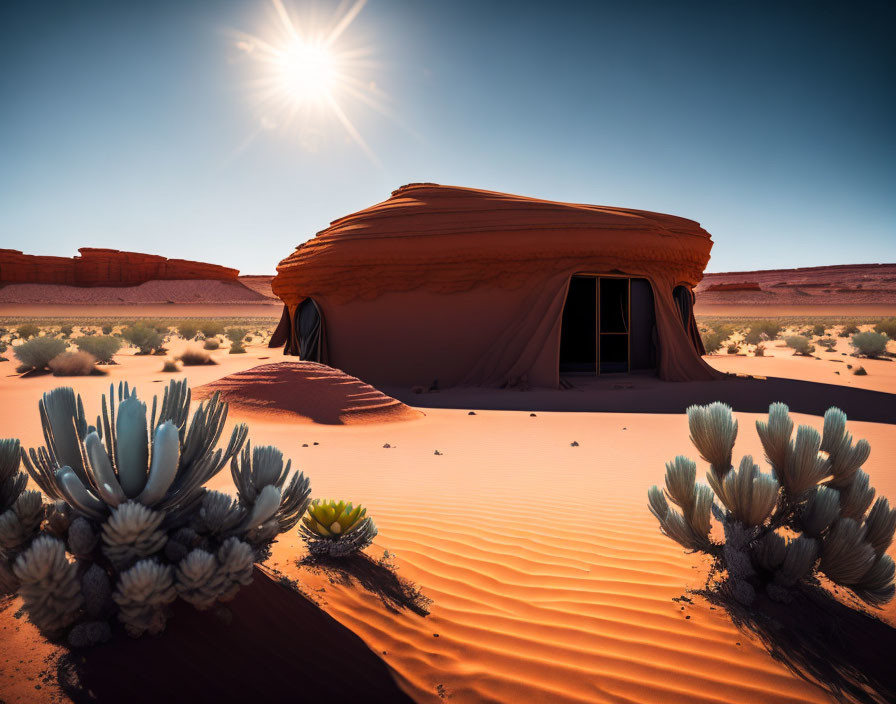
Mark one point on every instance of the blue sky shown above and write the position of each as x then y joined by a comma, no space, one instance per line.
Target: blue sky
135,125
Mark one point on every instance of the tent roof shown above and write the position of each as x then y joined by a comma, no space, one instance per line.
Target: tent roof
448,234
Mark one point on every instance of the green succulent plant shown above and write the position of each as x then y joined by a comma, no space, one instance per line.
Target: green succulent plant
21,513
336,528
814,513
130,526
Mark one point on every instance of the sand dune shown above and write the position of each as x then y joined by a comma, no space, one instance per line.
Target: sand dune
549,579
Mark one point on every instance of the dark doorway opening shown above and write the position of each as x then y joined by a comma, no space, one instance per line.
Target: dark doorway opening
578,339
608,326
308,330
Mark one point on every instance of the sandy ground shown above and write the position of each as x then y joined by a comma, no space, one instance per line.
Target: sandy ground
702,308
549,578
169,311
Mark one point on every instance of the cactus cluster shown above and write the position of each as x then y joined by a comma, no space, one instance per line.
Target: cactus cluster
336,528
814,514
130,525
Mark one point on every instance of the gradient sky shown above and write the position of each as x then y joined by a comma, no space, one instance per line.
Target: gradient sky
133,125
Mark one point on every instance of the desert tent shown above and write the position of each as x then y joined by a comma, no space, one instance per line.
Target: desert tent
459,286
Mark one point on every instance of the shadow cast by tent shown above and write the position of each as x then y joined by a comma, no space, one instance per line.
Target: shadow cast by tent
376,576
634,393
269,644
845,651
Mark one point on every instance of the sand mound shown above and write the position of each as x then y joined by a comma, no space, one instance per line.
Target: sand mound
307,391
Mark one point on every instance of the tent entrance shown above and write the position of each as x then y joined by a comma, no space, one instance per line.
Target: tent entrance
608,326
308,330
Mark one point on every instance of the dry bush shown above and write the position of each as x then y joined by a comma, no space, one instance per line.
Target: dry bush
212,344
170,366
195,357
73,363
870,344
38,351
103,347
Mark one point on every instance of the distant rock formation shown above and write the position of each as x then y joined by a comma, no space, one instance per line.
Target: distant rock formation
104,267
734,286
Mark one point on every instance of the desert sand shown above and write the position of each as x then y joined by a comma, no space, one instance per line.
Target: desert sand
549,579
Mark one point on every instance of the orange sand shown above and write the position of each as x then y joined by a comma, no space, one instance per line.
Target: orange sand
549,578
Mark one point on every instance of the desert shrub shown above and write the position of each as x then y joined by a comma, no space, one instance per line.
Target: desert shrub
769,328
66,330
130,527
849,330
170,366
103,347
800,344
37,352
195,357
187,329
860,371
818,330
753,336
733,348
211,344
159,326
237,348
107,329
810,515
73,363
27,330
887,327
869,344
210,328
336,528
712,341
760,350
236,334
144,337
829,343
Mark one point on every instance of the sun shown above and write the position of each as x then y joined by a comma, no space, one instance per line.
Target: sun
306,71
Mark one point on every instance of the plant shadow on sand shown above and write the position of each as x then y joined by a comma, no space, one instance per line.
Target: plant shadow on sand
846,651
376,576
270,643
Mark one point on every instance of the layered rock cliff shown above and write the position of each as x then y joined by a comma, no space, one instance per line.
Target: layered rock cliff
104,267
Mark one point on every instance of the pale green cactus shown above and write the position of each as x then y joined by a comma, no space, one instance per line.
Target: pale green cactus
131,526
817,494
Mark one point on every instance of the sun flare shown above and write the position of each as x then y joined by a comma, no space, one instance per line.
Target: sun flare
305,73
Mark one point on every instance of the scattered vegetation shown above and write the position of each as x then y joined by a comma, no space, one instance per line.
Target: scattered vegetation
210,328
187,329
144,337
713,340
336,528
819,329
27,330
800,345
733,348
809,516
129,527
73,363
103,347
887,327
869,344
211,344
36,353
760,351
829,343
849,330
237,348
170,366
107,329
194,357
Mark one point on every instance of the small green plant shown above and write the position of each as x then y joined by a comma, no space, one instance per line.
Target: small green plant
236,334
800,345
237,348
27,330
187,329
829,343
144,337
211,344
733,348
712,341
170,366
336,528
849,330
73,363
107,329
760,351
194,357
66,330
36,353
869,344
809,516
103,347
818,330
21,513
